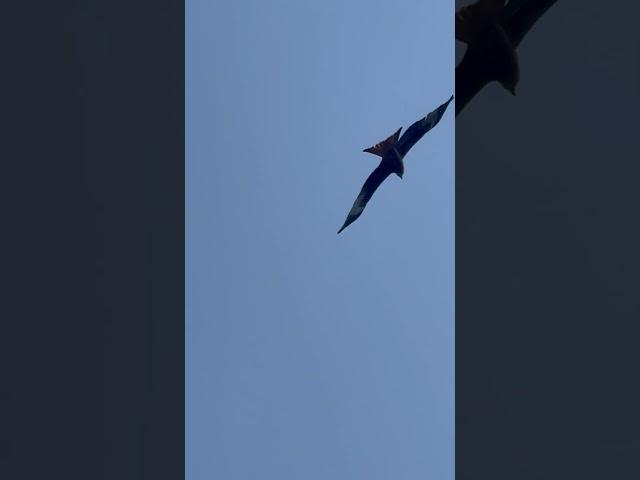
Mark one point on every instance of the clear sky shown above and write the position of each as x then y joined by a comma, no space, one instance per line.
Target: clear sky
312,355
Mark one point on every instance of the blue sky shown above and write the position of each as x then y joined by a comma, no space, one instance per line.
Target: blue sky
312,355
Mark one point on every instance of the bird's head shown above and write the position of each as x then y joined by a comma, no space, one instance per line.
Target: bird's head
509,73
510,86
500,57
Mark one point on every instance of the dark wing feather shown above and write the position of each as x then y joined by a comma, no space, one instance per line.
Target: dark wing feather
416,131
472,19
370,186
521,15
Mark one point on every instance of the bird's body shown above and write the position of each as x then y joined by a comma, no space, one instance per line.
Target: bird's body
393,162
493,30
392,150
480,25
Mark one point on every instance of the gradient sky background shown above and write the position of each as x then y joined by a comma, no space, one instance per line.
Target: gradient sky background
312,355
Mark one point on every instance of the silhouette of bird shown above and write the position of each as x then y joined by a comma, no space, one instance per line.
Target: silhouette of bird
392,150
479,26
493,31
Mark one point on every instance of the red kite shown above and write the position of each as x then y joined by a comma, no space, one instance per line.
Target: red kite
392,150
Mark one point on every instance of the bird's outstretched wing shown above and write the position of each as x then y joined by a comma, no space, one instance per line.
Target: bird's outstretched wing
472,19
521,15
516,17
370,186
416,131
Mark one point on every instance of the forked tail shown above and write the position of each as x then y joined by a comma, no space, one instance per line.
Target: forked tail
383,147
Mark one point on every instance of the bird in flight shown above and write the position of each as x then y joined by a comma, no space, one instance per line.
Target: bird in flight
392,150
493,30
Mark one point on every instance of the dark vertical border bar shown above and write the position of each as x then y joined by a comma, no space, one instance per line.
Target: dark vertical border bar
547,257
93,309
